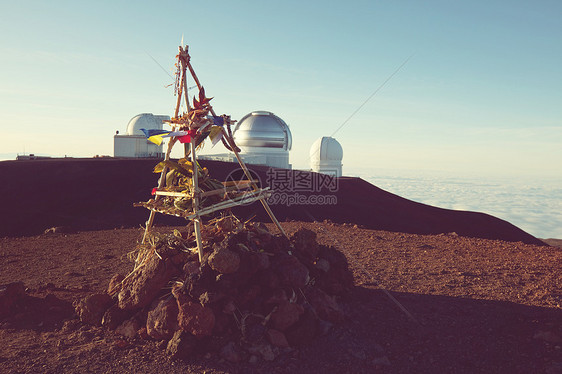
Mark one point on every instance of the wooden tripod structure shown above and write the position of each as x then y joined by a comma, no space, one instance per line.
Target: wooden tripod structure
196,125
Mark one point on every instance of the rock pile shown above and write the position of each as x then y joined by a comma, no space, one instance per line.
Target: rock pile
253,296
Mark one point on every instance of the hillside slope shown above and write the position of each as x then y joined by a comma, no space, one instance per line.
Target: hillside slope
86,194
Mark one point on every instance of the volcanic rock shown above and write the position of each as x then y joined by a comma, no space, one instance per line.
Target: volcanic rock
253,329
292,273
322,264
263,349
249,294
181,346
286,315
191,267
304,241
231,353
209,297
195,318
338,263
259,261
224,261
145,283
277,338
162,320
115,283
114,316
279,296
333,277
277,244
92,308
304,330
268,279
128,328
59,230
229,307
201,281
223,323
10,295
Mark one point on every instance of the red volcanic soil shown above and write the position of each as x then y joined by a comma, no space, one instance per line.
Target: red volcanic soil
479,306
481,295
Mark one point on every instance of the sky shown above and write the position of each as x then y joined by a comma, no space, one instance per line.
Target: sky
470,87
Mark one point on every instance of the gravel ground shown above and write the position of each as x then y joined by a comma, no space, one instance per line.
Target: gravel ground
422,303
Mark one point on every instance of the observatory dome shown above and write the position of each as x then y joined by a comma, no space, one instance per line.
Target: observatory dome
264,138
263,130
145,121
326,155
134,143
326,148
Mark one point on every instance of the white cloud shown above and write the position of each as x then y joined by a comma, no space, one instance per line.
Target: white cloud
534,205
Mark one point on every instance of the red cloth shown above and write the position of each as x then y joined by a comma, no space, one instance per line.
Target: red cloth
187,138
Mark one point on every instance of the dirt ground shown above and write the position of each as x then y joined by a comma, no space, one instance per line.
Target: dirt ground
469,306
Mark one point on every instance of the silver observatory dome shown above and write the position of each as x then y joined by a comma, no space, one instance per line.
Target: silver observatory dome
262,130
264,138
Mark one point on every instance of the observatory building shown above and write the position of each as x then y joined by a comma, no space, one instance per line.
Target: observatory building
326,155
134,143
263,138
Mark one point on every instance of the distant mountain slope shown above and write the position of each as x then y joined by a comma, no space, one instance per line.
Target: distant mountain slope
99,193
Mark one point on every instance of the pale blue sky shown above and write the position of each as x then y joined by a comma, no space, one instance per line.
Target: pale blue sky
482,92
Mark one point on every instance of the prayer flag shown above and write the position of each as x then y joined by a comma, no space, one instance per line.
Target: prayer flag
216,134
187,138
218,121
155,136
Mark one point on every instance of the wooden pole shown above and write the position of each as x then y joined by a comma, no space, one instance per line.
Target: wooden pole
161,181
178,102
184,58
184,62
181,89
197,219
188,64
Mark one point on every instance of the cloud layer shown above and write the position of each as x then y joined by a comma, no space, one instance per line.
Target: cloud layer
532,205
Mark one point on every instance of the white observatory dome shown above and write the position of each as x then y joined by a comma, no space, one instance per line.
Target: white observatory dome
264,139
145,121
326,155
134,143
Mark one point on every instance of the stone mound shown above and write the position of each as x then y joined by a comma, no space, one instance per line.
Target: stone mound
254,294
